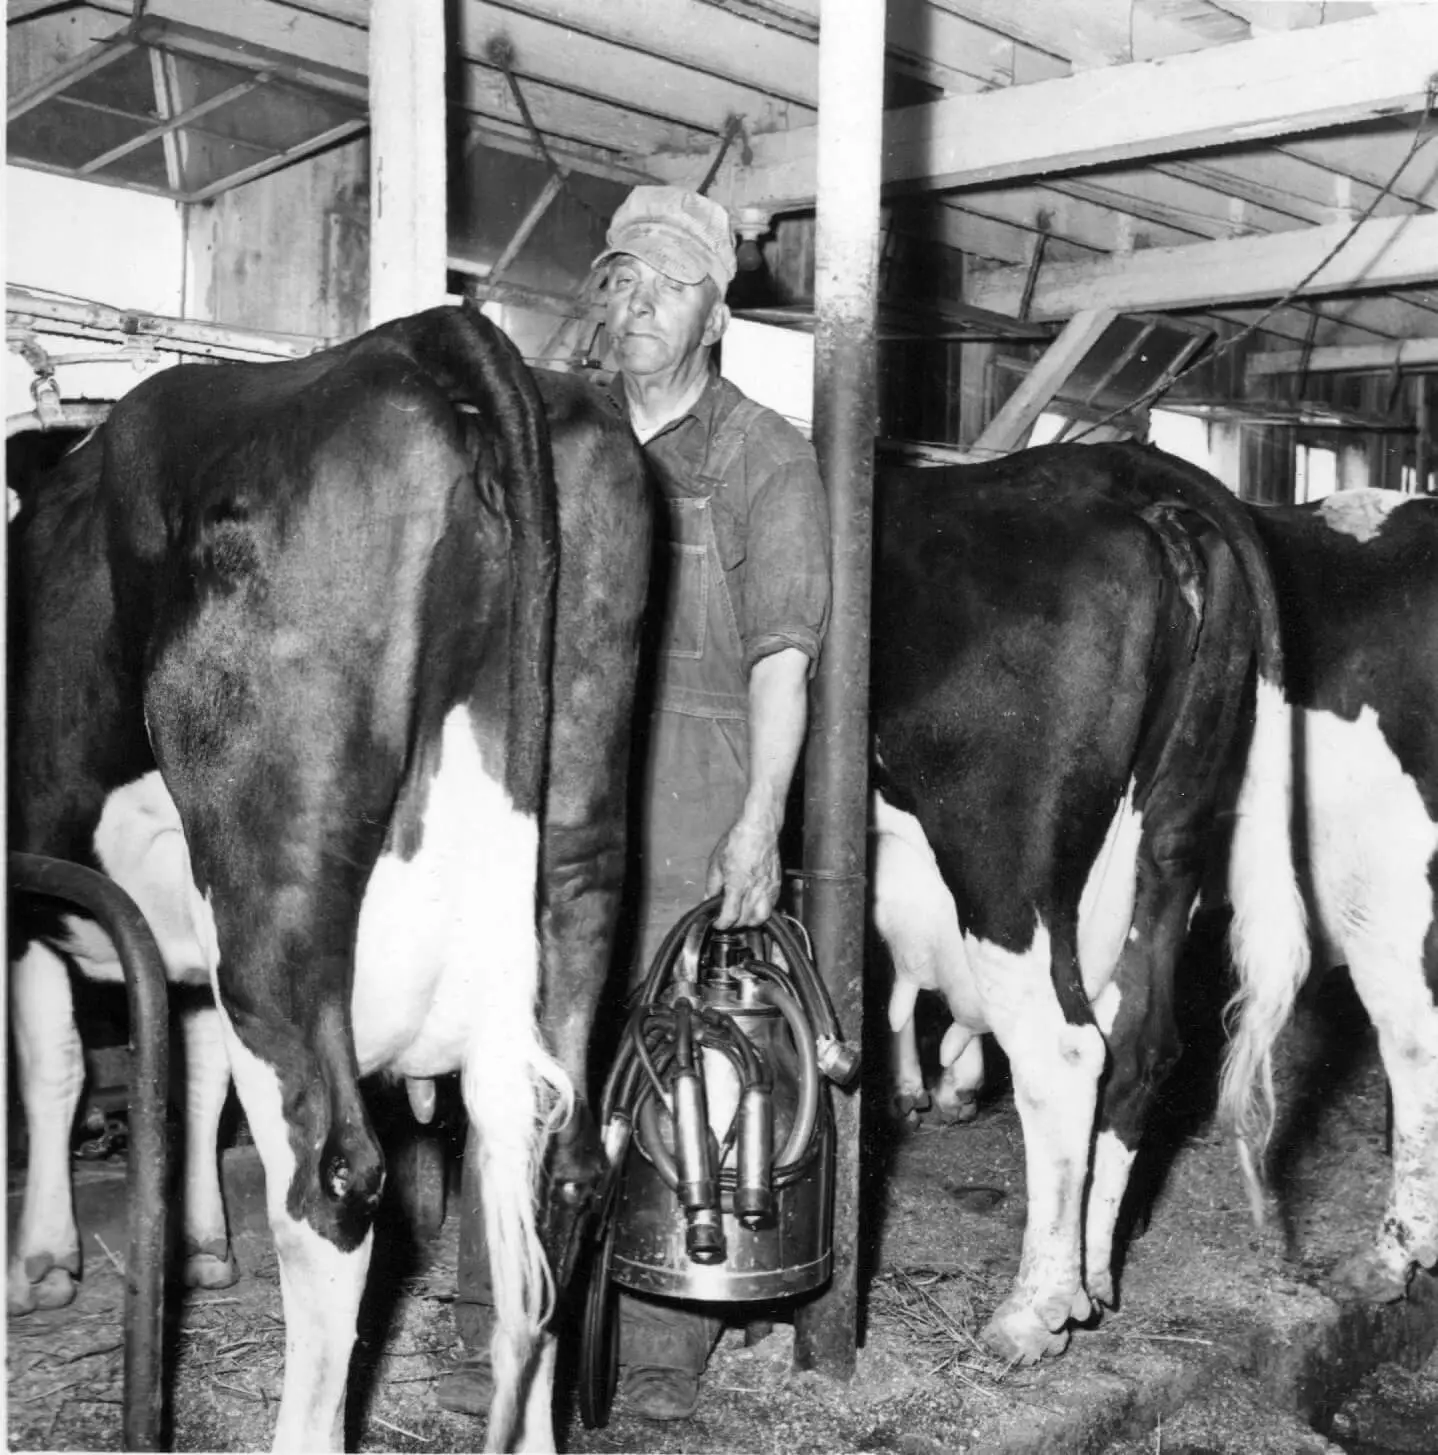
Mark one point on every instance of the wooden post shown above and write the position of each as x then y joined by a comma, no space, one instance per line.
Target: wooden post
851,73
1423,445
408,227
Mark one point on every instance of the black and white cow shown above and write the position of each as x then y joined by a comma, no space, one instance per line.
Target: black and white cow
1357,583
1060,646
285,673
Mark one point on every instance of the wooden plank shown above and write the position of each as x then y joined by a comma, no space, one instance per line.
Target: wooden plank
938,41
689,33
1386,252
977,236
1097,32
1085,32
1008,429
512,137
1067,219
1364,319
1288,184
1294,14
407,211
1358,358
321,41
1372,156
1273,86
558,55
104,53
1155,196
952,47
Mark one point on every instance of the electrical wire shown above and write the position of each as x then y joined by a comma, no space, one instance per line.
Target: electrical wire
1419,141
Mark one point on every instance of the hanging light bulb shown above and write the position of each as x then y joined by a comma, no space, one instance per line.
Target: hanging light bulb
751,224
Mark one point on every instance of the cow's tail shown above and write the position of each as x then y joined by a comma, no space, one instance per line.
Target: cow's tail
480,366
516,1093
1268,939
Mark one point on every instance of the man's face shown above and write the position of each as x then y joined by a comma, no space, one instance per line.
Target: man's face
654,321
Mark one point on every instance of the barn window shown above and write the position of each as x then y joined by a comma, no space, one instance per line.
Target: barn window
1184,435
1315,473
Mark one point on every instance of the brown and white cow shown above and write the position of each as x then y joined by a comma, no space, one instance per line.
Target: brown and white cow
285,666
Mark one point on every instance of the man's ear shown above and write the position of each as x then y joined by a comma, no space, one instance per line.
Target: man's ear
716,323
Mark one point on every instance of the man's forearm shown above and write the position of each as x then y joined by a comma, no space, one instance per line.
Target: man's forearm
778,714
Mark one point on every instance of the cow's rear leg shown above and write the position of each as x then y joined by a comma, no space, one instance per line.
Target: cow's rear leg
1056,1066
321,1278
1399,1002
1135,1012
45,1259
209,1259
961,1054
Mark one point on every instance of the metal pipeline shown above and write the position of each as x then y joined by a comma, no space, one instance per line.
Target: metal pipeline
148,1163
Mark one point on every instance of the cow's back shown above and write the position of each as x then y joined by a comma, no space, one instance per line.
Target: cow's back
1011,630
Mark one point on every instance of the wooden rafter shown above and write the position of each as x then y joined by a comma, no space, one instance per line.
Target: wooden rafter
1357,358
1269,87
1386,252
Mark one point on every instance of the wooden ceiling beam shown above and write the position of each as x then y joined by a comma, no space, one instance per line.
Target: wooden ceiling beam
1272,86
689,33
1099,32
1382,253
1311,324
558,56
336,42
1357,359
1371,157
1263,15
1071,222
1157,196
940,43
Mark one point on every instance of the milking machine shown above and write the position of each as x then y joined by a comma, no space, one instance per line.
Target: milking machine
718,1130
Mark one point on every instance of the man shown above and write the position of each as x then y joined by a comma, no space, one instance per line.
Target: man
746,604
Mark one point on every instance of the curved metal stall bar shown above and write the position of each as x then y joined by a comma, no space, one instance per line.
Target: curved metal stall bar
148,1157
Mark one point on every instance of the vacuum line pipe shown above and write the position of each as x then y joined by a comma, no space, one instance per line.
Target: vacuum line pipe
851,76
147,1171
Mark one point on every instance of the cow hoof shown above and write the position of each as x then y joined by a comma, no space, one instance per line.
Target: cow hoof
908,1106
1365,1278
53,1289
211,1267
955,1113
1100,1289
1017,1335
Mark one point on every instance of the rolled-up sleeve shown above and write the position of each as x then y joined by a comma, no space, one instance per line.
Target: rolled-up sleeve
785,571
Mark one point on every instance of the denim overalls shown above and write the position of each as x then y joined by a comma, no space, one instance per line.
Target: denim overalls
697,773
697,767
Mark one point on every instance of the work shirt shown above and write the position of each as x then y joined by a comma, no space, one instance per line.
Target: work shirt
770,515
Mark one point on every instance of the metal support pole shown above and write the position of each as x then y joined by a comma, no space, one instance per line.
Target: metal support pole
408,216
147,1172
851,76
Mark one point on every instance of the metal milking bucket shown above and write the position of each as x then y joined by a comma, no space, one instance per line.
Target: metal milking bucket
718,1129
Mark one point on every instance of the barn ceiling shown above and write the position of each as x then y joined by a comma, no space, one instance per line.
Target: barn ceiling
1080,153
